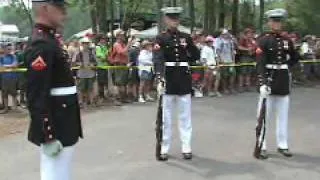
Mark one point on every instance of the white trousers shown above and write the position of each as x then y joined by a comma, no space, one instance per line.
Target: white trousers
56,168
183,103
278,108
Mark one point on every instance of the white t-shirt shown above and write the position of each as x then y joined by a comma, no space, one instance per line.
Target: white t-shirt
145,59
305,48
225,50
208,56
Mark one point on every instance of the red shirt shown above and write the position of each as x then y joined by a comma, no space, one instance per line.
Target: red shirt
248,43
119,54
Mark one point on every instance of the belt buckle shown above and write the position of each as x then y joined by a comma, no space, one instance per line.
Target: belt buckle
177,64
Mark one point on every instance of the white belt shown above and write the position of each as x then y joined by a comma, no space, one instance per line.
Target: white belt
61,91
277,66
177,64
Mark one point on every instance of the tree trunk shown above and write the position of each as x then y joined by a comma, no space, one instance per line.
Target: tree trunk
111,9
168,3
221,14
212,16
254,11
186,6
206,15
235,16
28,13
101,6
261,15
121,12
93,15
174,3
192,14
159,6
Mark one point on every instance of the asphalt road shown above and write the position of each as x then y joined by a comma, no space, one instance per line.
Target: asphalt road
119,144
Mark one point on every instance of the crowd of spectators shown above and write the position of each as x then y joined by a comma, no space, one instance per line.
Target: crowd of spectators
123,72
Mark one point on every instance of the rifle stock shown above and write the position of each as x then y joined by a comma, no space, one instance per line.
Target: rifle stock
260,125
159,125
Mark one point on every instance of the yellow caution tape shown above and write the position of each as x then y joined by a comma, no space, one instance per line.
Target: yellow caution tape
4,70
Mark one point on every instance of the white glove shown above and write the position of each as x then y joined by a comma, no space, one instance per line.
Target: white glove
265,91
160,86
53,148
160,89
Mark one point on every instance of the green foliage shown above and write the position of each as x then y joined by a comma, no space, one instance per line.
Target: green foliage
303,14
78,20
247,15
10,16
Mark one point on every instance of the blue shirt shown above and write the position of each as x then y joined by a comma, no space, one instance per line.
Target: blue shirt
8,60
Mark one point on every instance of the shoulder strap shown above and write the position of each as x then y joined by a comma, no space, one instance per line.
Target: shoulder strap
81,56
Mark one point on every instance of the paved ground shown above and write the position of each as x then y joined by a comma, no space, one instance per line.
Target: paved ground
119,144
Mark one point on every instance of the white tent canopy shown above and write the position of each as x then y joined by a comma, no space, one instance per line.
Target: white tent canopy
9,28
153,32
89,31
83,33
9,32
130,32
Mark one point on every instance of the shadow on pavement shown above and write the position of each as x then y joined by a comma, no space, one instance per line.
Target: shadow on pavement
210,168
299,161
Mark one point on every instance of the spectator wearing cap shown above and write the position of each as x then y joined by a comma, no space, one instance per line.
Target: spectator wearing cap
247,48
86,60
119,57
208,57
145,62
226,54
133,71
9,79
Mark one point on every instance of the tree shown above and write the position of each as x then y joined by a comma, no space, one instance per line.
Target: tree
101,7
247,17
111,8
261,15
80,23
174,3
206,15
192,14
93,15
159,6
221,13
304,16
235,12
23,9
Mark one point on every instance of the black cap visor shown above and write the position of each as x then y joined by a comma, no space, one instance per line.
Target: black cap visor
173,15
59,3
276,19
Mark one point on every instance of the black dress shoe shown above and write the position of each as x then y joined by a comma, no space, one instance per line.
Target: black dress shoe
4,111
187,156
285,152
163,157
263,155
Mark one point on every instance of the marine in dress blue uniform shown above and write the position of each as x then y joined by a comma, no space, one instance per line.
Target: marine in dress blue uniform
178,51
52,95
275,56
